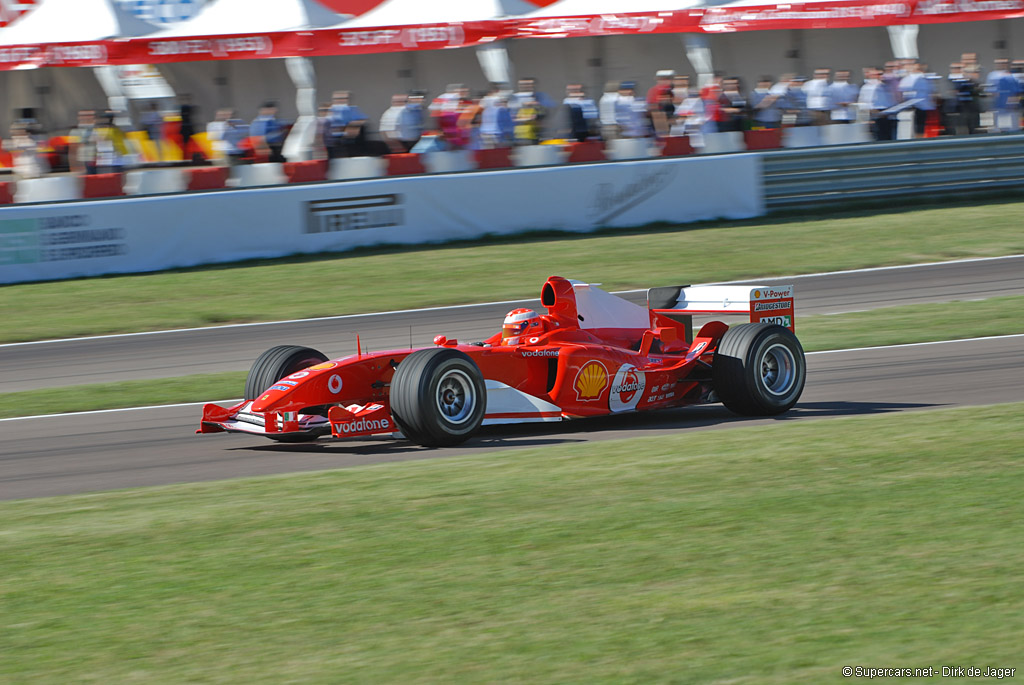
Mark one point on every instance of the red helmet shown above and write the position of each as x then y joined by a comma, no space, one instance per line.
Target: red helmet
520,322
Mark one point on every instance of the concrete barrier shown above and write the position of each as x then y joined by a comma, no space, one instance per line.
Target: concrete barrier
845,134
539,155
801,136
630,148
723,141
265,174
345,168
154,181
439,162
48,189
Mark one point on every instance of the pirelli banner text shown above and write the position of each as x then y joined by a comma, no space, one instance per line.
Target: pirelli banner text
137,234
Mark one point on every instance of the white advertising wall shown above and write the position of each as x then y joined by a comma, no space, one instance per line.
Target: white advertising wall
88,238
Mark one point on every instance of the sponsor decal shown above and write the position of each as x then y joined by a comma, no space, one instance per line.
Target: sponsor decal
299,374
627,388
591,380
61,238
334,384
219,47
770,306
292,383
264,398
354,213
361,426
539,353
283,388
611,200
322,366
771,293
534,341
699,347
786,321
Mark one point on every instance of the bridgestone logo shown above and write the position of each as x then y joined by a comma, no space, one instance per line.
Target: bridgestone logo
770,306
362,426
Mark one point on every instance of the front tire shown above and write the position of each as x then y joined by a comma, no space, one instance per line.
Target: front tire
438,397
759,369
275,364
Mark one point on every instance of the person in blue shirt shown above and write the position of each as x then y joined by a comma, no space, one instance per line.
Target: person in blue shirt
1004,90
347,126
267,133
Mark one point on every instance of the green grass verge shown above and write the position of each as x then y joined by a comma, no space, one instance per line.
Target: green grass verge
501,269
774,554
887,326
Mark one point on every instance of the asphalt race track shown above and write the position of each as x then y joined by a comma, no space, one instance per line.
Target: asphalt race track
107,450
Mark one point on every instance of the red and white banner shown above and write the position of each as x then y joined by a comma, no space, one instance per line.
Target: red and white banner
368,40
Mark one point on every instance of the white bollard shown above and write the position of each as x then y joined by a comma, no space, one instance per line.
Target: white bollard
154,181
345,168
48,189
265,174
439,162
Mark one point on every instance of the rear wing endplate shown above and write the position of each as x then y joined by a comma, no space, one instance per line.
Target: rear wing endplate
760,303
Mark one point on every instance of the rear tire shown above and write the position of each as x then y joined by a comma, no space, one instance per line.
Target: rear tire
759,369
438,397
275,364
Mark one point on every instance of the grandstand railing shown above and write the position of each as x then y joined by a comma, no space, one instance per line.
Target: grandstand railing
808,177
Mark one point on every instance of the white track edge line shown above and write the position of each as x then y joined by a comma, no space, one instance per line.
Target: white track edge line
809,354
484,304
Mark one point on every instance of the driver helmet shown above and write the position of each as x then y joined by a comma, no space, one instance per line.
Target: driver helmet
519,322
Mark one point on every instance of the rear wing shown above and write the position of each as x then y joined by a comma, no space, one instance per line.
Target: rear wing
761,303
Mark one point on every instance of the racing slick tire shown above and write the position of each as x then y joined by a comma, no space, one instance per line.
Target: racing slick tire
438,397
759,369
275,364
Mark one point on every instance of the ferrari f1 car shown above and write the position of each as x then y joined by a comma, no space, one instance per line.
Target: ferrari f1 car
591,354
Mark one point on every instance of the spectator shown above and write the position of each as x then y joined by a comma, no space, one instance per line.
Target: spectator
497,129
226,133
455,137
389,124
711,95
764,101
657,96
82,150
963,108
188,128
842,97
734,111
267,134
630,113
680,88
580,113
819,101
468,122
606,111
152,122
347,126
795,103
527,92
917,88
874,101
410,123
28,163
1004,91
111,148
527,118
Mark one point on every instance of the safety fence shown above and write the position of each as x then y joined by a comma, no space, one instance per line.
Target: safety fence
811,177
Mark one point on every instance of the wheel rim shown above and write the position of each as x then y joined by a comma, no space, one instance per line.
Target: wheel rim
456,397
778,369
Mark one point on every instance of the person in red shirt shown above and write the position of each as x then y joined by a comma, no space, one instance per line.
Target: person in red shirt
657,96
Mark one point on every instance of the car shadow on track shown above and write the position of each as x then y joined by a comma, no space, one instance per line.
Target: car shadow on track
599,428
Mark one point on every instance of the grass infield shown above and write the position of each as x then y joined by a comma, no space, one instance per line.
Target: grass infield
760,555
507,268
886,326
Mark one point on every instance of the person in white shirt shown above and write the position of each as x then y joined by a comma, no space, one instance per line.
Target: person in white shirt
606,111
819,103
874,101
843,95
389,122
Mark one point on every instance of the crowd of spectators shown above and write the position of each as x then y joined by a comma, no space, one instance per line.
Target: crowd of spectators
962,102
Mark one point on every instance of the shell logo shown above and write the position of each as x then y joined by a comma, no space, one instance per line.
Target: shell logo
757,294
322,366
591,380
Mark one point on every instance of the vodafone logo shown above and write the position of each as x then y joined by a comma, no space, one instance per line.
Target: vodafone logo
627,388
334,384
361,426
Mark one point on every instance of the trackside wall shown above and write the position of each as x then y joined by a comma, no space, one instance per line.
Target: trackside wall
128,235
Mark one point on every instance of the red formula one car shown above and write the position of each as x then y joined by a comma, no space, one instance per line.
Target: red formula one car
591,354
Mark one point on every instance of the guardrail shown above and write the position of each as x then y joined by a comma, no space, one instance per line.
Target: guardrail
812,176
